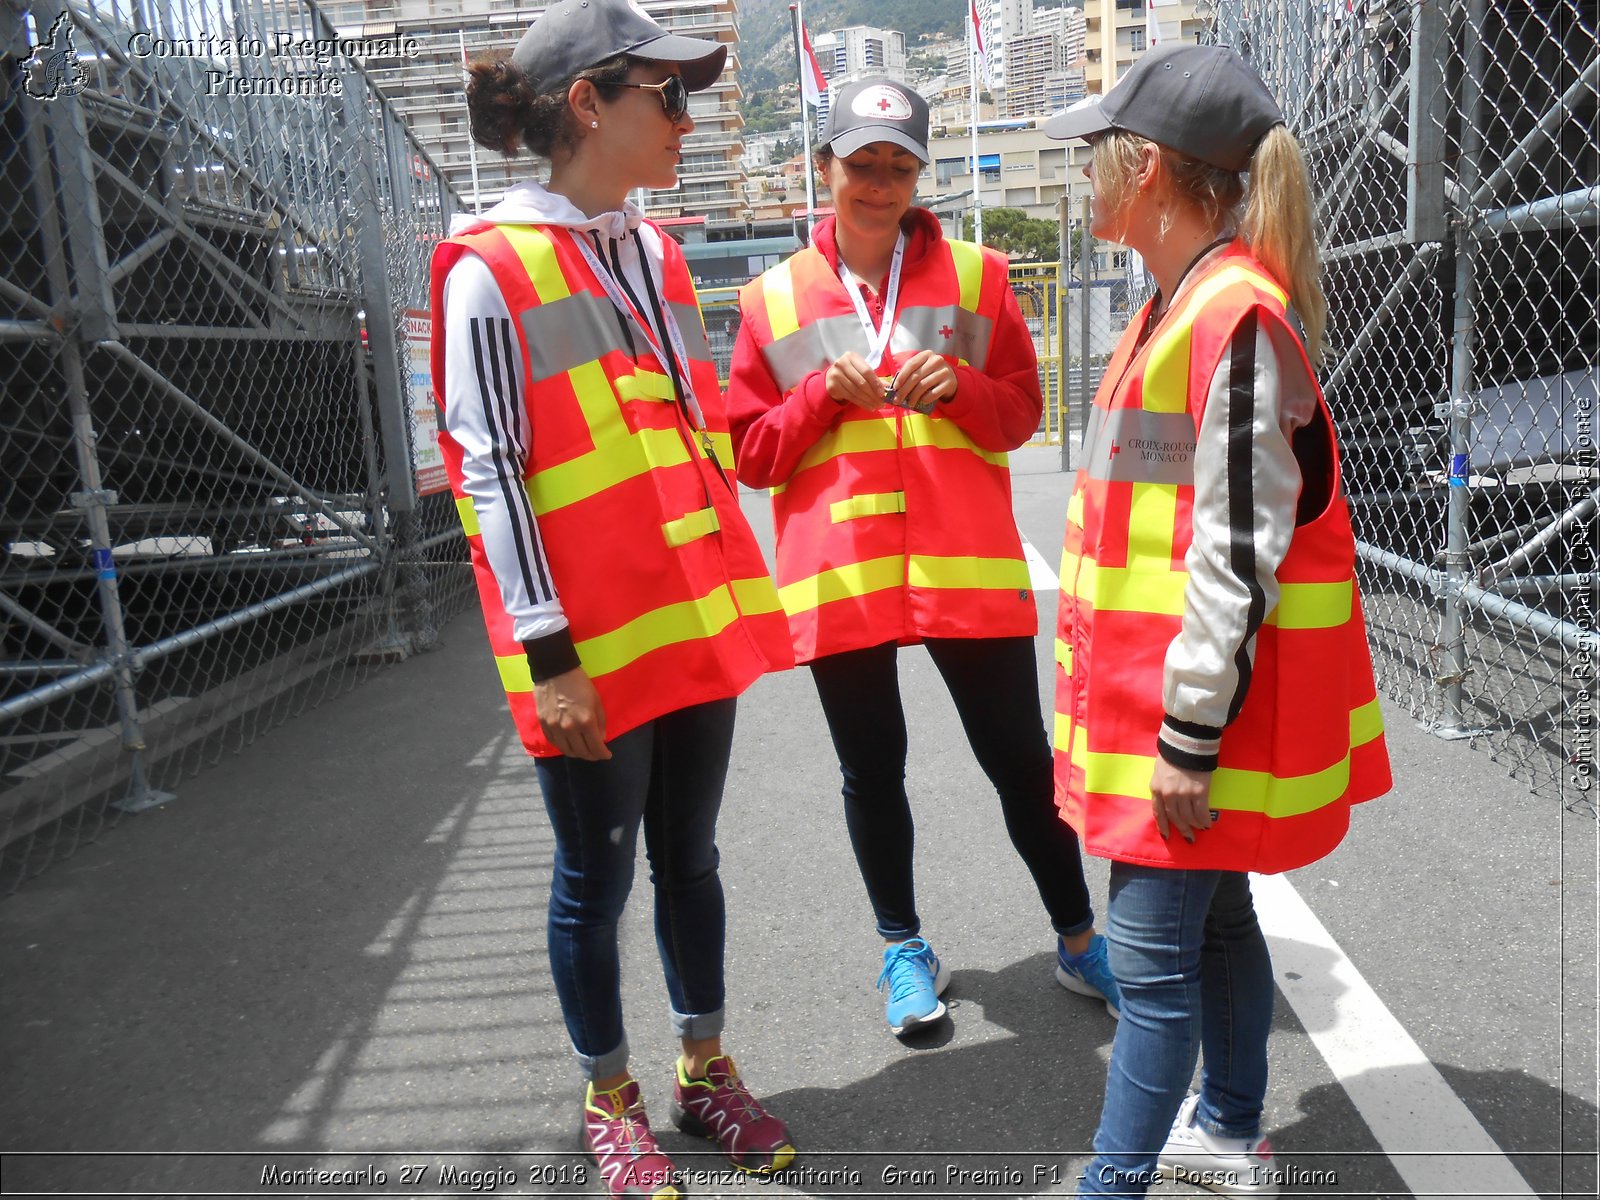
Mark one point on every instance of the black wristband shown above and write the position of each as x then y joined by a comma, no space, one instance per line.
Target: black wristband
551,655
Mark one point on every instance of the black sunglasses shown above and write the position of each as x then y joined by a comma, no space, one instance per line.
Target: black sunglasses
674,96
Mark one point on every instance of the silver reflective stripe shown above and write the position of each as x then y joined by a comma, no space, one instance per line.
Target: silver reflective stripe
949,329
1130,445
814,346
570,332
693,330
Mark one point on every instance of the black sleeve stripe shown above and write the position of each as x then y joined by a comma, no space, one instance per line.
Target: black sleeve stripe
522,510
498,421
1241,494
1192,729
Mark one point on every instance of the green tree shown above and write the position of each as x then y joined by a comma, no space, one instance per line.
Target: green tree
1013,231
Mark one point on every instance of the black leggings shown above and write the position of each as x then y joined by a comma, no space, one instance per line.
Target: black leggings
995,686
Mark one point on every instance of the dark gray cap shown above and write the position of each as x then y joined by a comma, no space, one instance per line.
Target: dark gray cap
573,34
877,109
1202,101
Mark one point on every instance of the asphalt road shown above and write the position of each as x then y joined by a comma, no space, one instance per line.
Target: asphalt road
328,954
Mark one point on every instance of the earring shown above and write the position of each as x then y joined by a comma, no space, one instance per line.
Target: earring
594,124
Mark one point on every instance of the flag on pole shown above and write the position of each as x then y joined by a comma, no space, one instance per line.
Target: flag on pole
977,39
1152,25
812,81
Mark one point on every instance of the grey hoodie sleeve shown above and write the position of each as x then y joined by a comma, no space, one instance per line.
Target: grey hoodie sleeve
1247,484
485,414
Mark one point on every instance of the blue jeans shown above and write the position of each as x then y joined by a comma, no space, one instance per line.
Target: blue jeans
1195,978
667,774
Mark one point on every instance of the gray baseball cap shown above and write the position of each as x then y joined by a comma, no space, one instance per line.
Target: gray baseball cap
877,109
1202,101
573,34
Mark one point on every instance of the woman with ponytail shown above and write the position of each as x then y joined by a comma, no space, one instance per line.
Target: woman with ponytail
1215,706
626,598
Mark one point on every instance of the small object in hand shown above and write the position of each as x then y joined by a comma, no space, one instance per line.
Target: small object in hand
889,393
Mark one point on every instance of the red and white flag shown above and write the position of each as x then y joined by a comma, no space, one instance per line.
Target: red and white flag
812,81
1152,24
977,40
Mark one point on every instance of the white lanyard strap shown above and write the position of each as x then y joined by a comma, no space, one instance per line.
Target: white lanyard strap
877,337
626,308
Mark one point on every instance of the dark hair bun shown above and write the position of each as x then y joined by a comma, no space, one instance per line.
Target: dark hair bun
499,98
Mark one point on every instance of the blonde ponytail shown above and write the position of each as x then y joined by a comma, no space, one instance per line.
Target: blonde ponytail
1278,228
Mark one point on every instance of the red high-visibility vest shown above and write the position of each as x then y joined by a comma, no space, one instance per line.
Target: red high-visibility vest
1308,742
664,587
895,526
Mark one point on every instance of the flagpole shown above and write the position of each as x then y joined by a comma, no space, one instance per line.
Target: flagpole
472,146
977,175
798,21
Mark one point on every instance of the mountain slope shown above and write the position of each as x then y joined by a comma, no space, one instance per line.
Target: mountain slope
766,44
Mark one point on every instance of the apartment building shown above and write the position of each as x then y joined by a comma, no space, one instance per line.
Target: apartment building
1117,32
856,51
427,93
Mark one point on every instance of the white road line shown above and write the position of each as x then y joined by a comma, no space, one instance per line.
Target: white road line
1434,1142
1039,572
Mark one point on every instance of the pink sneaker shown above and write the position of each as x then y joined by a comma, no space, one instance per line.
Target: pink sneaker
721,1108
617,1133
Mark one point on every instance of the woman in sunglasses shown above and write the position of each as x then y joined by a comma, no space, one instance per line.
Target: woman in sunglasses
626,598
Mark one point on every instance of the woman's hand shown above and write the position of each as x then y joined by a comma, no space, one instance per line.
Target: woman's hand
1180,799
850,381
925,379
572,716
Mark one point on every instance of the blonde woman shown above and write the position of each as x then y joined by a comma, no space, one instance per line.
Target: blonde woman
1215,707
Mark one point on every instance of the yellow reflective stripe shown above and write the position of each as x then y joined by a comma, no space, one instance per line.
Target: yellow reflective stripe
515,673
1165,387
969,272
694,525
722,447
1063,735
928,571
777,290
1151,517
843,583
1123,589
1313,606
1366,723
668,625
873,504
534,248
757,596
880,433
1064,656
1232,790
468,515
592,473
1075,508
644,385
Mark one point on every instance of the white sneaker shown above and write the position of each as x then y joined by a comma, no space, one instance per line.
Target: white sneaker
1227,1166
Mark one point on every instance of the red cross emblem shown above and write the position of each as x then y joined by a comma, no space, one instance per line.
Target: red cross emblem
1116,449
884,105
946,332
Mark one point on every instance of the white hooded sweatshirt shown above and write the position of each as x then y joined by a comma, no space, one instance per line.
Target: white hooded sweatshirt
483,372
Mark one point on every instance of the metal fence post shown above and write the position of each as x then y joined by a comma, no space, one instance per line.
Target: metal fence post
1452,633
1063,274
1085,270
393,398
83,298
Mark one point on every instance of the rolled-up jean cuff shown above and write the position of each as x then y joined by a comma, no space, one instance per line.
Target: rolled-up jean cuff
602,1066
695,1026
1082,926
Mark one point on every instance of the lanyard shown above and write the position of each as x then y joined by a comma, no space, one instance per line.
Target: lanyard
877,339
675,335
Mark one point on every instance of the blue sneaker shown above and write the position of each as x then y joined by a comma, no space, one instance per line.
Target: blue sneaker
1089,974
911,982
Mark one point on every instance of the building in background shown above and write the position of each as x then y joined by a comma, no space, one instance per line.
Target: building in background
856,51
1117,32
427,94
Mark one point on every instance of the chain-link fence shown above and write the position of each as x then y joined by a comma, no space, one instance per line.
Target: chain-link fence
1452,146
220,502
